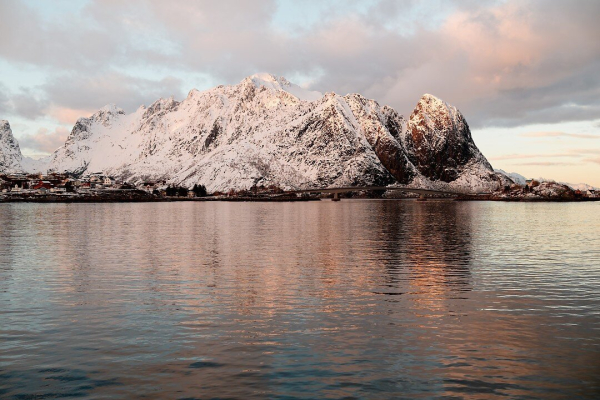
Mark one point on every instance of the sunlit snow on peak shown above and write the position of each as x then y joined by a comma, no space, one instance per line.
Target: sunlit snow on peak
276,83
111,109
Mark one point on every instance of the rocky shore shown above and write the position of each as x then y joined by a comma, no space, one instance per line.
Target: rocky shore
535,191
136,196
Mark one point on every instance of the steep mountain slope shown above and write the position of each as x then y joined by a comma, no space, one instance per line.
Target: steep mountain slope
266,130
438,142
10,153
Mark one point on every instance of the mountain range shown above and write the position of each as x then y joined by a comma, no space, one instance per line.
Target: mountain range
268,131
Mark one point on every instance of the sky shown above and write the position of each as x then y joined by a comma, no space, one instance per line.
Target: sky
525,74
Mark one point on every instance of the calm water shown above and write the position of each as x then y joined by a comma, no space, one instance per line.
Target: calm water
356,299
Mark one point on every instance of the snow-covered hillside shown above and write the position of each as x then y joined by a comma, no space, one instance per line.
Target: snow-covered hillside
267,131
10,153
515,177
581,186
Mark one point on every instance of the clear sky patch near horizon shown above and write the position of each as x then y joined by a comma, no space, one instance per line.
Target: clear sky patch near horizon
524,73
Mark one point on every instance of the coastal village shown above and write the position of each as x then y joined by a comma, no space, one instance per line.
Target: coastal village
55,186
66,185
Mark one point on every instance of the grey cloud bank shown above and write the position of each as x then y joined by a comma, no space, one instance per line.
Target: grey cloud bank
503,63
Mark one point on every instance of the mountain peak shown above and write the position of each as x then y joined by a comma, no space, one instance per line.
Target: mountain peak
280,84
103,115
435,112
10,153
5,128
265,77
439,142
432,102
111,109
430,97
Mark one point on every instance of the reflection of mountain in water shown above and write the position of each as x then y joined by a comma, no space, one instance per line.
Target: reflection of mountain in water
428,247
357,299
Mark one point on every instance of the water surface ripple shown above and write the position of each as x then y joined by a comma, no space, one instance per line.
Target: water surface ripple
356,299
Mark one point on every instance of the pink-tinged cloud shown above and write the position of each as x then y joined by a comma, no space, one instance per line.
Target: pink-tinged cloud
593,160
502,63
542,134
560,134
500,41
43,140
572,153
69,116
547,164
525,156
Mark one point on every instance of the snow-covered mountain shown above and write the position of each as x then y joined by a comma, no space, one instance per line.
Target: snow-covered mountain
266,131
10,153
515,177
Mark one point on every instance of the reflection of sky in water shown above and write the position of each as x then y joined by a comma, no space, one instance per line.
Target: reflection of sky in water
357,298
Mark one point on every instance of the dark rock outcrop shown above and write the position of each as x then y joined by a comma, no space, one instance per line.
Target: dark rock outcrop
439,143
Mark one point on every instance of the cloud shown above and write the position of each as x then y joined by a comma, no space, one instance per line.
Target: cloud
547,164
43,140
92,91
69,116
576,153
593,160
5,106
28,38
22,103
560,134
26,104
523,156
580,152
503,63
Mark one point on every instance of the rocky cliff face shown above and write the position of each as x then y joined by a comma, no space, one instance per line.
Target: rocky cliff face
10,153
439,141
267,131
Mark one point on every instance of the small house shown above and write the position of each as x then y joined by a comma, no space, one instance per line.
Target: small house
43,185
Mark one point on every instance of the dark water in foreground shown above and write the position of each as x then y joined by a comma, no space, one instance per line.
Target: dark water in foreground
357,299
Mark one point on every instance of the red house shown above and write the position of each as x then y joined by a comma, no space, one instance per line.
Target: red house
43,184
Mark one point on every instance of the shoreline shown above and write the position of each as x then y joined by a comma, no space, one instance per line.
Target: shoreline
154,199
532,200
144,199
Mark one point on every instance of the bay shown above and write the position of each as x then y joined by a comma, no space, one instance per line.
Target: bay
356,299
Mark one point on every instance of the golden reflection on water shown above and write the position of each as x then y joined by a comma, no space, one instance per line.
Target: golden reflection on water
374,299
